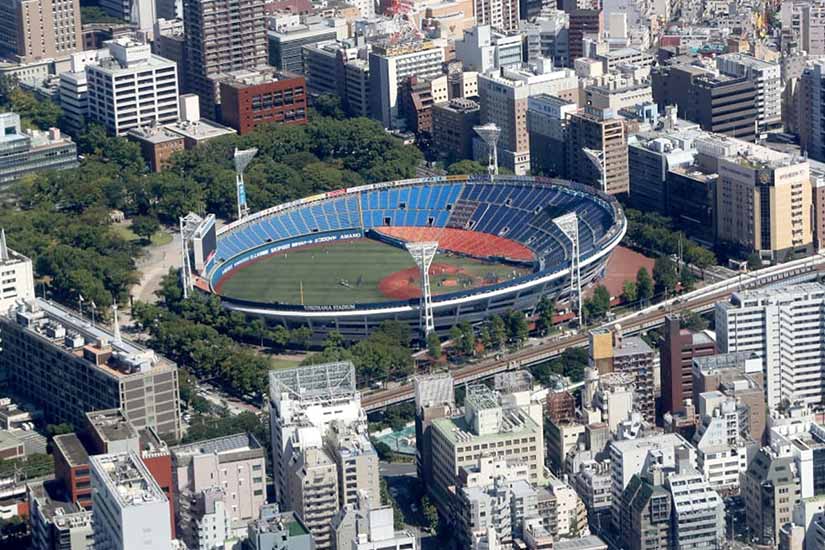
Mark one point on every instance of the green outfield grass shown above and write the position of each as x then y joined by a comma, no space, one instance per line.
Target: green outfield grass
339,273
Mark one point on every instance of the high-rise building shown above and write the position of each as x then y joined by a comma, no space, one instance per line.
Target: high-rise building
811,109
646,510
720,449
767,79
67,367
698,511
770,489
546,36
678,350
504,97
434,398
146,87
548,119
37,30
312,492
390,67
221,36
785,326
23,153
356,462
603,132
130,511
483,49
233,465
453,124
583,23
499,14
286,43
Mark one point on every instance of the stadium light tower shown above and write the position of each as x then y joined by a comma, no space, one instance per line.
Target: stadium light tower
490,133
597,157
242,160
423,254
188,225
569,225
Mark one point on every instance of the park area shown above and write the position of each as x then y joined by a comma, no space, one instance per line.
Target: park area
356,271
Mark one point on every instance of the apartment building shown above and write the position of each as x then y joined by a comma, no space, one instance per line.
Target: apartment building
313,492
811,109
31,151
548,119
434,398
130,87
646,509
356,461
130,511
38,30
784,325
767,80
678,350
583,23
770,489
604,134
221,36
504,97
453,124
233,465
390,67
66,367
499,14
483,49
698,511
720,449
57,522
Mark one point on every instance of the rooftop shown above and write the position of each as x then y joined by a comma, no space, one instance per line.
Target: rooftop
633,345
590,542
127,479
200,130
314,382
154,134
245,78
95,344
221,445
111,425
711,364
458,431
56,506
72,448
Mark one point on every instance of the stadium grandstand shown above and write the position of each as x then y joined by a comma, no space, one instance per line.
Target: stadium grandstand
507,220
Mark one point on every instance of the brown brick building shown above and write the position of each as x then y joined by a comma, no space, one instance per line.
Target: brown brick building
262,96
678,350
157,145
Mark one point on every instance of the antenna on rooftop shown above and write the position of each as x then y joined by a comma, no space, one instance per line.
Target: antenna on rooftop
242,159
490,134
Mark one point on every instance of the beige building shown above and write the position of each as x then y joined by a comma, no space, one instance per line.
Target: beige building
763,198
312,485
604,133
357,464
770,489
33,30
502,15
504,95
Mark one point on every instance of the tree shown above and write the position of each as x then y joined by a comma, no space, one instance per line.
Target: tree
629,292
545,311
468,338
599,303
644,285
434,345
145,226
430,513
574,361
383,450
665,274
59,429
754,261
687,279
518,329
466,167
498,331
693,322
329,105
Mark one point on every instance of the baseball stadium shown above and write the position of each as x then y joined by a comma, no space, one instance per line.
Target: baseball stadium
338,260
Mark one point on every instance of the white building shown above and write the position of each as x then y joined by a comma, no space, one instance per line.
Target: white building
482,49
131,512
16,275
786,326
720,451
499,14
376,532
389,67
129,87
698,511
766,77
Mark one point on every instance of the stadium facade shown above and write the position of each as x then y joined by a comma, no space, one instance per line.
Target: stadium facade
517,208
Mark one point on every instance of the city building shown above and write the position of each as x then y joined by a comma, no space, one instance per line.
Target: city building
499,14
582,24
146,87
778,324
285,44
562,437
230,470
453,124
276,530
504,97
678,350
390,67
548,119
71,469
483,49
770,489
66,366
604,134
250,98
698,511
767,79
646,509
23,153
312,492
40,30
416,101
376,531
434,399
16,270
546,36
561,407
718,103
192,128
157,145
130,511
356,461
219,45
720,449
57,522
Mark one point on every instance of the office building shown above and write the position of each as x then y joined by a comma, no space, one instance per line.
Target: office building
390,67
767,79
718,103
763,198
130,511
356,462
546,36
770,489
562,437
38,30
583,23
453,124
234,40
285,44
698,511
603,133
23,153
678,350
632,356
548,119
312,492
276,530
146,87
376,531
504,97
561,407
71,469
157,145
778,324
434,398
811,103
617,94
17,273
192,128
720,449
593,484
483,49
502,15
233,465
57,522
66,366
416,100
490,425
250,98
646,508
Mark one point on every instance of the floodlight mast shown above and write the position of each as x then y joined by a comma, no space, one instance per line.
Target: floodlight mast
423,254
569,225
599,160
490,133
242,159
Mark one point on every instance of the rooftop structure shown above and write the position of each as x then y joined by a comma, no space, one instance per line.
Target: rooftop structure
30,151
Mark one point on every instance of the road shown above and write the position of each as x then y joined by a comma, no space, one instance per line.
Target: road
392,469
699,300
